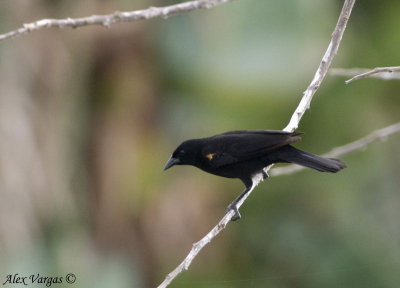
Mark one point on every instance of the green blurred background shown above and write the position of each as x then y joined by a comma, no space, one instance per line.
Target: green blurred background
89,117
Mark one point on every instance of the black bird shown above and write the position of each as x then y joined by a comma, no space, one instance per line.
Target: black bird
244,154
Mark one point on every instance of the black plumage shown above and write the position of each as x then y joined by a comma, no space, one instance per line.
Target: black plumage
244,154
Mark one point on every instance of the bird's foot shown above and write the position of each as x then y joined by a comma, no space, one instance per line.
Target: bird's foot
233,207
264,174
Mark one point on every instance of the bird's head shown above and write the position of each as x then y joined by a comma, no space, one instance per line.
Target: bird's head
185,154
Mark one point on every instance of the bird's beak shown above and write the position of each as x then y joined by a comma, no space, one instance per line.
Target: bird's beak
171,162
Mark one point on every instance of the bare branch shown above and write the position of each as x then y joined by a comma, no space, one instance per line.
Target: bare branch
196,248
114,18
323,66
377,135
384,73
293,124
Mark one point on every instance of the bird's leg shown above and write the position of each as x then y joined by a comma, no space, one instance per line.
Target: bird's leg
250,184
233,205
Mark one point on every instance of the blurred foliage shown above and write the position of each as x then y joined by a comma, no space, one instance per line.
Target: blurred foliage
88,118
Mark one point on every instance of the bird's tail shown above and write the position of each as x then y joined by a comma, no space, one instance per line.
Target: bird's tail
300,157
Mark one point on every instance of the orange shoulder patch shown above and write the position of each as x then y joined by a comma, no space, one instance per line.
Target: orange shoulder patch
210,156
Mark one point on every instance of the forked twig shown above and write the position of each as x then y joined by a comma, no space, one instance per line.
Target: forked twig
385,73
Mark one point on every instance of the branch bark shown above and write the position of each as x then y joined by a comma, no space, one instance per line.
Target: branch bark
322,70
293,124
362,143
384,73
114,18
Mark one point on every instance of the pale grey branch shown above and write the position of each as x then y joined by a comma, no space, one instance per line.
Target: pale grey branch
384,73
360,144
196,248
293,124
116,17
323,66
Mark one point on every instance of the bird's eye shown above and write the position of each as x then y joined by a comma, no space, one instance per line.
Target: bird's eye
182,152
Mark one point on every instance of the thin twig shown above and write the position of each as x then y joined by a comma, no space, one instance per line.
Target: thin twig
116,17
362,143
323,66
293,124
196,248
384,73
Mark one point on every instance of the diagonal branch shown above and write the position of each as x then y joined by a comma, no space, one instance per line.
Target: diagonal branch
114,18
323,67
385,73
293,124
377,135
197,247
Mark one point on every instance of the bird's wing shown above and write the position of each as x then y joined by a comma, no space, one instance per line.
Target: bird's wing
238,146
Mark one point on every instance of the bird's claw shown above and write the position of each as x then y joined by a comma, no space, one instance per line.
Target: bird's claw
235,216
265,175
